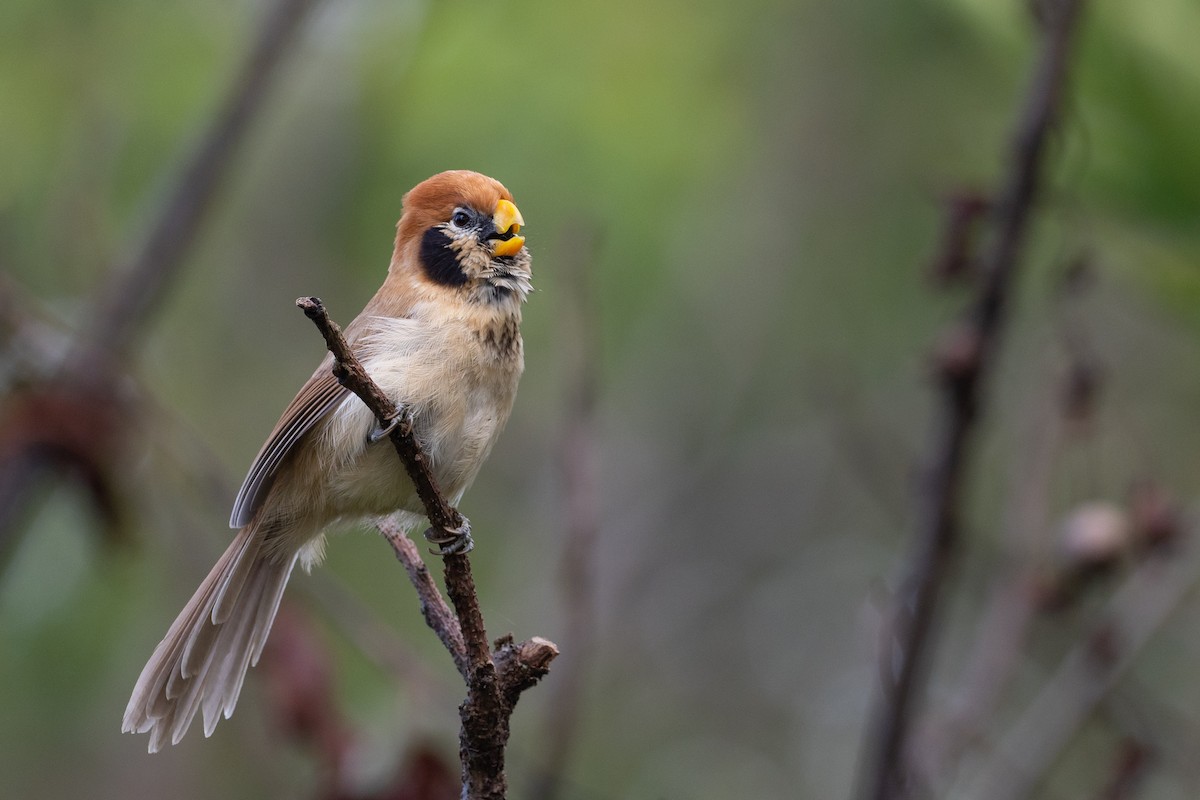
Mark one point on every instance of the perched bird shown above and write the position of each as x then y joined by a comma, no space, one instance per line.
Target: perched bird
442,338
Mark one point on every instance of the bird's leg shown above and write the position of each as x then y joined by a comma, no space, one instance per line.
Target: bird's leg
381,432
456,542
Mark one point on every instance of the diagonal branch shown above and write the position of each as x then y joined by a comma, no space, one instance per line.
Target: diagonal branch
437,614
89,377
964,367
493,682
132,292
350,373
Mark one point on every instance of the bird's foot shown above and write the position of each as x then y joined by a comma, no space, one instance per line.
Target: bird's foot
381,432
457,542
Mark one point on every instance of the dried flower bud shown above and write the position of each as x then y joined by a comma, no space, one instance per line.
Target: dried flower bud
1155,515
954,261
1095,534
956,354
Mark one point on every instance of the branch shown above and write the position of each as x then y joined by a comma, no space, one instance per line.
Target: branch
350,373
1004,625
522,665
1137,610
127,299
438,615
964,367
89,375
493,684
1062,412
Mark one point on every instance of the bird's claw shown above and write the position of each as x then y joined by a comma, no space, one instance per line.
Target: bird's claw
457,542
381,432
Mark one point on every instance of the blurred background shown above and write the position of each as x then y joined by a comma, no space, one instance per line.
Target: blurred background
706,493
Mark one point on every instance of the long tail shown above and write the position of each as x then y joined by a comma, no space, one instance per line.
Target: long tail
220,633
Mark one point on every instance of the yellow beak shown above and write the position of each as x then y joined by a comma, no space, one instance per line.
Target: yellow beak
507,219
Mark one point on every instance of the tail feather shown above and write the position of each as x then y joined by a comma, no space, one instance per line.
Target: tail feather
202,661
180,717
241,640
269,606
232,660
156,686
229,588
198,650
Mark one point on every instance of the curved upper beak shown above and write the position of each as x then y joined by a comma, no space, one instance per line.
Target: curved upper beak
508,222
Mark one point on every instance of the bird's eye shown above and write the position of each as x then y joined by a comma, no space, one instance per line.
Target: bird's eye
460,219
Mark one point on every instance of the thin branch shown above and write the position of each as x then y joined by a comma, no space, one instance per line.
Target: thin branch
90,375
1012,607
437,614
1137,610
522,664
493,685
460,583
350,373
965,365
134,290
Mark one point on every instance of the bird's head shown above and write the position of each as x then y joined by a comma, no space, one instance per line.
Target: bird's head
461,230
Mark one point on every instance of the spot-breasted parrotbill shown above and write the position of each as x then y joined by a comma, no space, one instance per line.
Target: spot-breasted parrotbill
442,338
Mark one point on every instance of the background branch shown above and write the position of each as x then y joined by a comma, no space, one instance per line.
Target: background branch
89,381
1089,672
128,298
964,365
1061,411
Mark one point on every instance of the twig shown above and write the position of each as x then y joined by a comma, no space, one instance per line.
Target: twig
350,373
89,377
1012,607
964,367
1138,609
133,291
521,665
493,683
437,614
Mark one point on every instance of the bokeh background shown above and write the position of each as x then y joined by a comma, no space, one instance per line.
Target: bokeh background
732,208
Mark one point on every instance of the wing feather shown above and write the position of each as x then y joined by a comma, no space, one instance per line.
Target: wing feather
386,311
315,399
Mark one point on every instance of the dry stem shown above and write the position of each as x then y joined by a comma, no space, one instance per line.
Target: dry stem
494,683
964,365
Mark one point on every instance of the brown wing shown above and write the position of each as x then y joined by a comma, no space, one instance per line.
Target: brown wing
315,400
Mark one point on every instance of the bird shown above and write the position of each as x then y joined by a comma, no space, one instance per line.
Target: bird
442,338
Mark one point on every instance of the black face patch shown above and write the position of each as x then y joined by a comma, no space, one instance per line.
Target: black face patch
439,260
